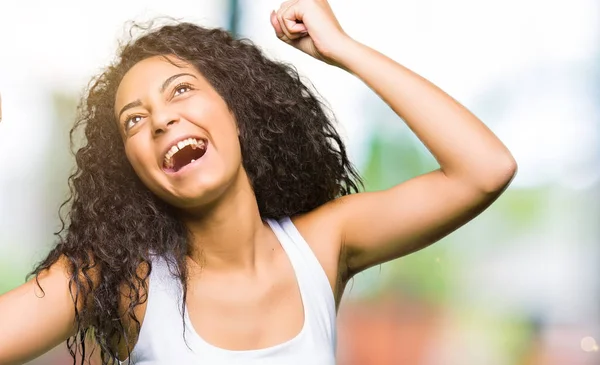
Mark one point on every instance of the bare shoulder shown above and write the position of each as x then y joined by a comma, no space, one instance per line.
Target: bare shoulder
320,228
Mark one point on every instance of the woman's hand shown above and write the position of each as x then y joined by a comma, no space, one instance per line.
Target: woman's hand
310,26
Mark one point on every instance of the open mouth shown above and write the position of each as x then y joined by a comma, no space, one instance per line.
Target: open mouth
183,153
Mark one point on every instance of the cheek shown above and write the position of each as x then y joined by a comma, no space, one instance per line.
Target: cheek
141,162
221,125
229,144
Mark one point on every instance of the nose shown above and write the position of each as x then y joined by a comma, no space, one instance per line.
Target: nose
162,121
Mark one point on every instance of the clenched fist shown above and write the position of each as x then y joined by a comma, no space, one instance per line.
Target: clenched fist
310,26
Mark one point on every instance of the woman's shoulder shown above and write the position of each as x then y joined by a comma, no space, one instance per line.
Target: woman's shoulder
320,227
320,230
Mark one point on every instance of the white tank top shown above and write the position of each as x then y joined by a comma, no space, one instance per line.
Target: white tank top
161,336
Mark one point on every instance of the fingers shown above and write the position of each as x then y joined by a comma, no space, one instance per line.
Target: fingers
275,23
287,22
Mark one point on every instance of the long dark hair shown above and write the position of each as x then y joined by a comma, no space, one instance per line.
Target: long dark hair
291,151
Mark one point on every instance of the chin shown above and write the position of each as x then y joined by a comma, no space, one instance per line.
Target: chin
197,193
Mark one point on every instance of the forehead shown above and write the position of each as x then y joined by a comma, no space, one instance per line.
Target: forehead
148,76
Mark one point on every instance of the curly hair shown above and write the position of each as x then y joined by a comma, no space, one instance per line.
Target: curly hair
291,152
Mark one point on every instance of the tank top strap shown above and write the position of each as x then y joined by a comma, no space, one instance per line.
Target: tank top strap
311,276
162,325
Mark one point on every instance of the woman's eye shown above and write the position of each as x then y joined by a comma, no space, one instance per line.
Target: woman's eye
181,89
129,123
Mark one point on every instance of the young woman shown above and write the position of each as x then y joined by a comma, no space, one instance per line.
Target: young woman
211,218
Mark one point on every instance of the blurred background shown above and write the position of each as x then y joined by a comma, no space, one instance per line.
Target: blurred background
519,285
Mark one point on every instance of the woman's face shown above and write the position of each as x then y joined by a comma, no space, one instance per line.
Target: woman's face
179,134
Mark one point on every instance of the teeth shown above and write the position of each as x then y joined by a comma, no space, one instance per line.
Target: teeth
180,145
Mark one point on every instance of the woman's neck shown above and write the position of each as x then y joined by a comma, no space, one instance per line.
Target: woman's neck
226,236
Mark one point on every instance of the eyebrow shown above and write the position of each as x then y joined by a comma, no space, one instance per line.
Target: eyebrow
164,85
